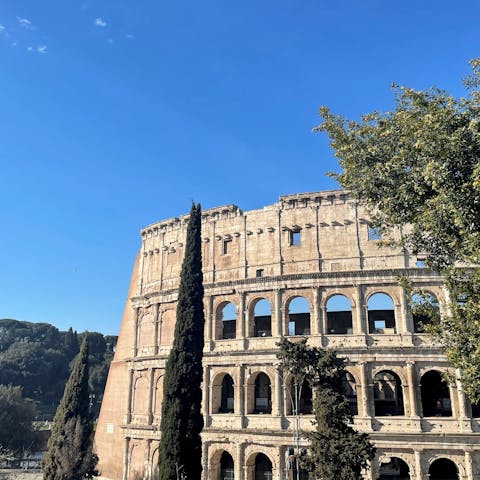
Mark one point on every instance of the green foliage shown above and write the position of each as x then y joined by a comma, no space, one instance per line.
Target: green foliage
182,421
38,357
16,416
417,168
336,450
70,448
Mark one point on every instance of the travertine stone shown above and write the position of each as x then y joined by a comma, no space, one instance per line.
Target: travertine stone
311,245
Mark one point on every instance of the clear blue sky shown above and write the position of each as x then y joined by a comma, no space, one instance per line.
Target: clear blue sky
116,113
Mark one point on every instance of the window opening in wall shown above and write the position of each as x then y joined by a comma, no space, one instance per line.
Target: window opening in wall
305,403
262,319
295,238
443,469
388,394
299,317
394,469
263,394
227,243
227,469
263,467
339,315
374,233
424,308
420,263
435,395
259,273
227,401
229,321
381,314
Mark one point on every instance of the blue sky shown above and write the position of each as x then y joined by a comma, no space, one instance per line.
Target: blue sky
115,114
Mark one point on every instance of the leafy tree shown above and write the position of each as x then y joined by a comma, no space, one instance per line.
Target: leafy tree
71,344
70,448
182,421
418,169
16,416
336,450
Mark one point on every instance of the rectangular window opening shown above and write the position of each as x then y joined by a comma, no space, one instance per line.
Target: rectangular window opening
259,273
295,238
374,233
226,246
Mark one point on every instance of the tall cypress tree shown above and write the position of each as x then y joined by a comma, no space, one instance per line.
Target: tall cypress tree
180,451
70,447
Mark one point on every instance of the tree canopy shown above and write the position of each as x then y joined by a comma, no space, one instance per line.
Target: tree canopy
417,167
336,450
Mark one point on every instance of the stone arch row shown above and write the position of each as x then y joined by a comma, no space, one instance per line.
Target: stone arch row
339,310
388,393
221,462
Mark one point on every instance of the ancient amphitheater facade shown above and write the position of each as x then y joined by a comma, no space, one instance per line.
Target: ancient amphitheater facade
308,265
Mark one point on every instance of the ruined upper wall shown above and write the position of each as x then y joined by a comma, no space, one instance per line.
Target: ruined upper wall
302,233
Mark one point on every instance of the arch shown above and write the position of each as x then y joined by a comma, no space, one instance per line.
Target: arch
435,395
262,394
140,398
154,465
136,463
263,469
158,396
226,322
381,314
387,394
298,316
304,395
339,315
145,333
443,469
394,468
223,393
167,328
227,467
262,318
424,307
350,390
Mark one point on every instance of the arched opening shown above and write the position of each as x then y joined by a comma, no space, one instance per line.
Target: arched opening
263,394
263,467
292,466
475,410
227,470
302,394
299,317
425,308
381,314
350,391
227,395
339,315
262,319
435,395
443,469
394,469
229,322
388,395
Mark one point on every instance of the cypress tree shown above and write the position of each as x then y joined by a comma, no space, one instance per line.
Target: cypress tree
180,451
70,447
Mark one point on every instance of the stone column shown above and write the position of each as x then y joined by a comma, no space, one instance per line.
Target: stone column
279,327
129,397
418,466
205,461
240,461
279,397
412,390
206,394
239,392
151,390
360,325
468,465
210,318
402,321
156,323
241,326
463,406
125,458
316,317
135,336
365,389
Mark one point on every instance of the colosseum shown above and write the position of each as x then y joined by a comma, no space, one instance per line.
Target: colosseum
309,265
